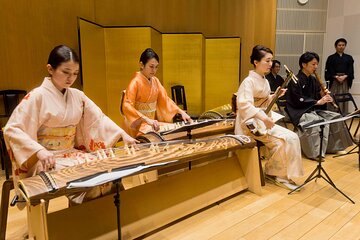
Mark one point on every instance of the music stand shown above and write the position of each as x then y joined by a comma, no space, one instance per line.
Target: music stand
115,176
357,142
317,171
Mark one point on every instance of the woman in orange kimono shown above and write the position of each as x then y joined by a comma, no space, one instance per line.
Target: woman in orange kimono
146,103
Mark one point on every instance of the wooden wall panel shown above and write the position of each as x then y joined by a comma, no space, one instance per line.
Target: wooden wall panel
92,42
253,21
183,63
222,68
29,30
164,15
265,23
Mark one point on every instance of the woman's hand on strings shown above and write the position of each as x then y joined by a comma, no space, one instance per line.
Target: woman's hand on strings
152,122
155,125
269,123
282,92
46,159
128,140
185,117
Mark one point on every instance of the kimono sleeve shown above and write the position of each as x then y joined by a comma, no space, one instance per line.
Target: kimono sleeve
132,115
166,108
95,130
245,100
20,132
329,69
350,73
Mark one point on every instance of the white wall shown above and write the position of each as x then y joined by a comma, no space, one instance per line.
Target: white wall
343,20
299,28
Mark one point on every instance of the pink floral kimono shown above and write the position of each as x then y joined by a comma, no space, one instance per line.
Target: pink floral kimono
65,124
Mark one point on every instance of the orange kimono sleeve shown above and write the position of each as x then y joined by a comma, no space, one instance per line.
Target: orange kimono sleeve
95,130
132,116
166,109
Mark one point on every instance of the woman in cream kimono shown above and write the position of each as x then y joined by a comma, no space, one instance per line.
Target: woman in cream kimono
146,103
54,123
284,160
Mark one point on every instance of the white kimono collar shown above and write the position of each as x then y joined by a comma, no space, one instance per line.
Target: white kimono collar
48,84
255,75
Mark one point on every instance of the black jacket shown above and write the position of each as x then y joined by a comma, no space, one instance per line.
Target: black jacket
302,96
336,64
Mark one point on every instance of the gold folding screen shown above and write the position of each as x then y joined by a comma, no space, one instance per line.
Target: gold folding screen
123,49
110,58
93,62
183,64
208,68
222,61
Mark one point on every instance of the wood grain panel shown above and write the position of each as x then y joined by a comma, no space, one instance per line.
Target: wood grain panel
253,21
149,206
164,15
183,63
318,208
35,188
30,29
28,32
222,69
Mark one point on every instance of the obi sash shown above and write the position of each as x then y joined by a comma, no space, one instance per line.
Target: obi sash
148,109
60,138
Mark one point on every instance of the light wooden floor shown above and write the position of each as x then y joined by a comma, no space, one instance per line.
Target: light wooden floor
316,212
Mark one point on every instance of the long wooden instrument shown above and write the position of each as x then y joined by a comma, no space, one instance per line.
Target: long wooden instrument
183,127
257,127
219,127
324,89
180,131
290,76
54,184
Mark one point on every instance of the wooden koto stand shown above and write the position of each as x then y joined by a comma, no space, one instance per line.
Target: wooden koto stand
223,166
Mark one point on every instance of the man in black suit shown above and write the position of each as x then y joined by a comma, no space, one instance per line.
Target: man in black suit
274,79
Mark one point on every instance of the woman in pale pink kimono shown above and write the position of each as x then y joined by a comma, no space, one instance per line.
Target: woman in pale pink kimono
284,160
146,103
54,123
